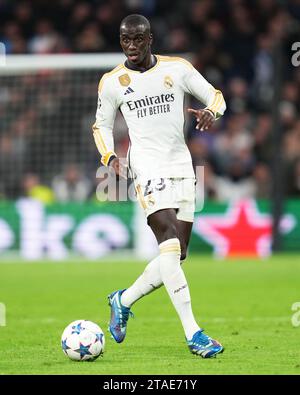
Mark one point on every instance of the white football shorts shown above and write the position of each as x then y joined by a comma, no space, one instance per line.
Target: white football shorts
162,193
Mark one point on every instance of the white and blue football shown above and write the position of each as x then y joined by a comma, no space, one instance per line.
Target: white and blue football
83,340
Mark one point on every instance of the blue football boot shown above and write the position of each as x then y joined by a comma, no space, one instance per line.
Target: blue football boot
119,315
204,345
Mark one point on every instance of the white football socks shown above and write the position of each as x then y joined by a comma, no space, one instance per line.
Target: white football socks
165,269
148,282
175,282
145,284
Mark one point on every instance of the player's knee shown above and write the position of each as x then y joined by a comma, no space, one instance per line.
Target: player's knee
171,232
168,231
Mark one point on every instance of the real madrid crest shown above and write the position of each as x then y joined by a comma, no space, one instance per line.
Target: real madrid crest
124,79
168,82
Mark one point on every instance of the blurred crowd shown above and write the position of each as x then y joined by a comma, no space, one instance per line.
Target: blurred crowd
46,147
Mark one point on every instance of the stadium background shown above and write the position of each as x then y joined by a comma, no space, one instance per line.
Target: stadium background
46,147
56,54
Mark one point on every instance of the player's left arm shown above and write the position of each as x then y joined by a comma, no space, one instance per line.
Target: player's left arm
199,87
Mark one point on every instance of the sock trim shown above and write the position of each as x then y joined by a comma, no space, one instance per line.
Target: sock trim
171,245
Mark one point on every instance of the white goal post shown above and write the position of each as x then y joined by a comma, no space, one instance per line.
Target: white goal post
24,63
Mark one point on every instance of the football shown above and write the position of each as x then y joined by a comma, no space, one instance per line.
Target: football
83,340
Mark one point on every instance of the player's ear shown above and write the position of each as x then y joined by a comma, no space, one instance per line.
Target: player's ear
150,39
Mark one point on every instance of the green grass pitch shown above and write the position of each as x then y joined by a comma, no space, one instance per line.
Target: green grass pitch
244,304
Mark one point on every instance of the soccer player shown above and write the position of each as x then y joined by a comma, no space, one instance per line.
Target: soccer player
149,91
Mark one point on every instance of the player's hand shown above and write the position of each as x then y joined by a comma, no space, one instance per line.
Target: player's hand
119,167
205,118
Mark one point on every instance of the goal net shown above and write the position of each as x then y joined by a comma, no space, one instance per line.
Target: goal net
49,161
48,105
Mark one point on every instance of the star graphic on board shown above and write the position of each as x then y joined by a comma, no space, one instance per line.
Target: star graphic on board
83,350
241,231
77,329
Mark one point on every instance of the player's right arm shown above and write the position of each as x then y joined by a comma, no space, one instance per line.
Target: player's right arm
105,117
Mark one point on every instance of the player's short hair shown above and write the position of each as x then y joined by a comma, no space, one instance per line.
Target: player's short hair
134,20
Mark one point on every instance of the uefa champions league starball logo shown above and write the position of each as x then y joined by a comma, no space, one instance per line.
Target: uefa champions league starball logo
241,231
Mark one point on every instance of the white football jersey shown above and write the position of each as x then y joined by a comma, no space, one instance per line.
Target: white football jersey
152,105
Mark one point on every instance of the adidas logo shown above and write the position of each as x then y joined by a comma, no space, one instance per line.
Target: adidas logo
128,90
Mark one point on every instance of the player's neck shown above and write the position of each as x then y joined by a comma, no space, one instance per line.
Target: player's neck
149,62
